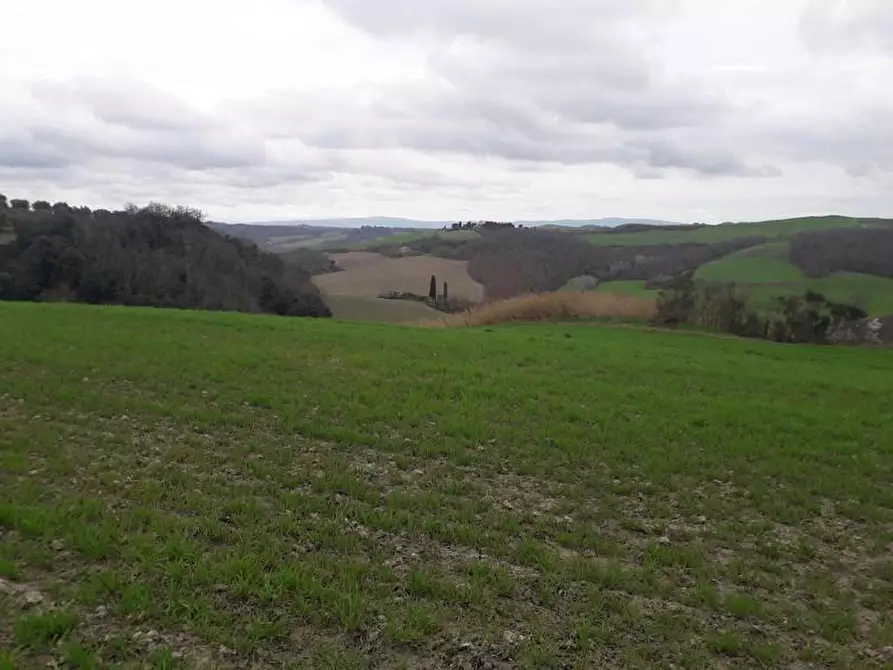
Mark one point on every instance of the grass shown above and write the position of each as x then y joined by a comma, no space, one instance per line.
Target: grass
765,264
189,489
766,272
354,308
415,236
307,241
37,630
632,287
557,306
873,294
781,229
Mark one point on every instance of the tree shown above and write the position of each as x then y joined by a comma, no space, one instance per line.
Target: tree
18,203
59,208
159,255
446,294
432,292
41,206
4,203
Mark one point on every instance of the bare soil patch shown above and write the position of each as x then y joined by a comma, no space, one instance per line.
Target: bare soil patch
368,274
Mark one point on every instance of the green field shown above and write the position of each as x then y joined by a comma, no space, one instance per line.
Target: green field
630,287
187,489
767,263
309,241
781,229
766,272
415,236
358,308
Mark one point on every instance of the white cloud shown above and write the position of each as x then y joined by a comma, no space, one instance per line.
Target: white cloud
684,109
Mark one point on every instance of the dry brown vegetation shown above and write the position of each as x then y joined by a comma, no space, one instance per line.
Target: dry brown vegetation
564,306
368,274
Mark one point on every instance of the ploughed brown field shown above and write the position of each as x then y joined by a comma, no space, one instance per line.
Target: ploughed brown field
368,274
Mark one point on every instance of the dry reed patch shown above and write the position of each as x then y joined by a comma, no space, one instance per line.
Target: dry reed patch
564,306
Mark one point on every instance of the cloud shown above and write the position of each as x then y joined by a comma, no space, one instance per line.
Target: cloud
531,81
674,109
848,24
80,121
527,23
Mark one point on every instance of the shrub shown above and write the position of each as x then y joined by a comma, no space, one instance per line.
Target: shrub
564,306
810,317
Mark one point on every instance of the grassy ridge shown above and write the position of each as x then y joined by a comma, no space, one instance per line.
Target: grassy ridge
310,493
767,263
406,238
766,272
634,287
379,310
782,229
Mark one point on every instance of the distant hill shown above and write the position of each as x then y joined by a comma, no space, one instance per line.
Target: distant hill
843,257
610,222
285,236
414,224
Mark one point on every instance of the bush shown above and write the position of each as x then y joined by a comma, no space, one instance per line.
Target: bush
564,306
810,317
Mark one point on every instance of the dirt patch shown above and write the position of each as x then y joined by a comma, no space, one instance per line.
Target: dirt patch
368,274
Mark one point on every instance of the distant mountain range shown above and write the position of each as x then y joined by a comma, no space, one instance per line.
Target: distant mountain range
395,222
284,236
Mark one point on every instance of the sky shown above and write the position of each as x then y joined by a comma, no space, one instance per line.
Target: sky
688,110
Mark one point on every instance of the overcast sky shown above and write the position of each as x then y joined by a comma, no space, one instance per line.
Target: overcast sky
689,110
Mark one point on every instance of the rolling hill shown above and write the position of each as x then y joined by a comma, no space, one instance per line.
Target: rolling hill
704,234
766,271
198,489
284,236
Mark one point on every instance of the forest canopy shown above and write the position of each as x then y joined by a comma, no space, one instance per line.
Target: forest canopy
156,255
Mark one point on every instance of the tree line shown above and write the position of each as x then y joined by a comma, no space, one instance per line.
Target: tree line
156,255
534,261
865,250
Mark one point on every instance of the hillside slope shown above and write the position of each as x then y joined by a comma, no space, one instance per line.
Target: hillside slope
156,256
263,492
778,229
369,275
766,271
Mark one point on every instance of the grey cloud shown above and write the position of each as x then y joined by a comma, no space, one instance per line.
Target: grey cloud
716,162
79,122
438,118
528,23
23,151
856,24
534,80
124,102
859,143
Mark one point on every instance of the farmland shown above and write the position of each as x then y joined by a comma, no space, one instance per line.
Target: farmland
231,491
630,287
368,274
765,271
359,308
780,229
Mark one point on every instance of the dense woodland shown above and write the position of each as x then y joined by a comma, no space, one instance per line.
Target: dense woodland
823,252
528,261
154,256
